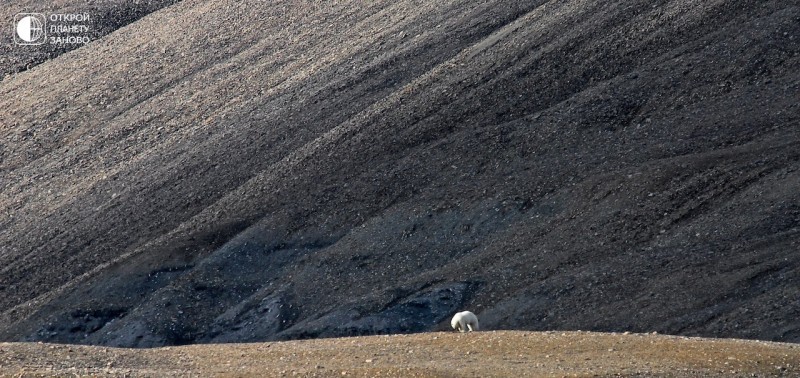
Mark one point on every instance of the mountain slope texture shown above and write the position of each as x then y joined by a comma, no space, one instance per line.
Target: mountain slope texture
231,171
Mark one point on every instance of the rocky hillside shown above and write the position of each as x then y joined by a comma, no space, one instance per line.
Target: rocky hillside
223,171
104,17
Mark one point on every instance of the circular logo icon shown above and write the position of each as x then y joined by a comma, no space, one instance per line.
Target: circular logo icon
29,29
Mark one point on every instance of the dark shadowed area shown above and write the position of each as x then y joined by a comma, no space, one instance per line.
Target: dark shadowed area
230,171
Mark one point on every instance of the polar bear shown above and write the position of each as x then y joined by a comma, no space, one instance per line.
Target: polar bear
464,321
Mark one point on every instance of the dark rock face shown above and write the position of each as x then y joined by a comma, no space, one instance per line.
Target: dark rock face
416,312
227,171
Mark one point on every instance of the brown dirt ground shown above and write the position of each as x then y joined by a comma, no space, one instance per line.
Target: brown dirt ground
481,354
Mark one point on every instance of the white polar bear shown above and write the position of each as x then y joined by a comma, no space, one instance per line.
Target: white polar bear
464,321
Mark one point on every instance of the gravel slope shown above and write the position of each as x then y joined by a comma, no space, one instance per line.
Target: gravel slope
225,171
105,17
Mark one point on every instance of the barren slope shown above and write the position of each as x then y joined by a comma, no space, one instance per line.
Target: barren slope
245,170
105,17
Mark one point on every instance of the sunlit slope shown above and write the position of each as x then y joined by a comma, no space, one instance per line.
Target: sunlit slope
97,19
237,171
